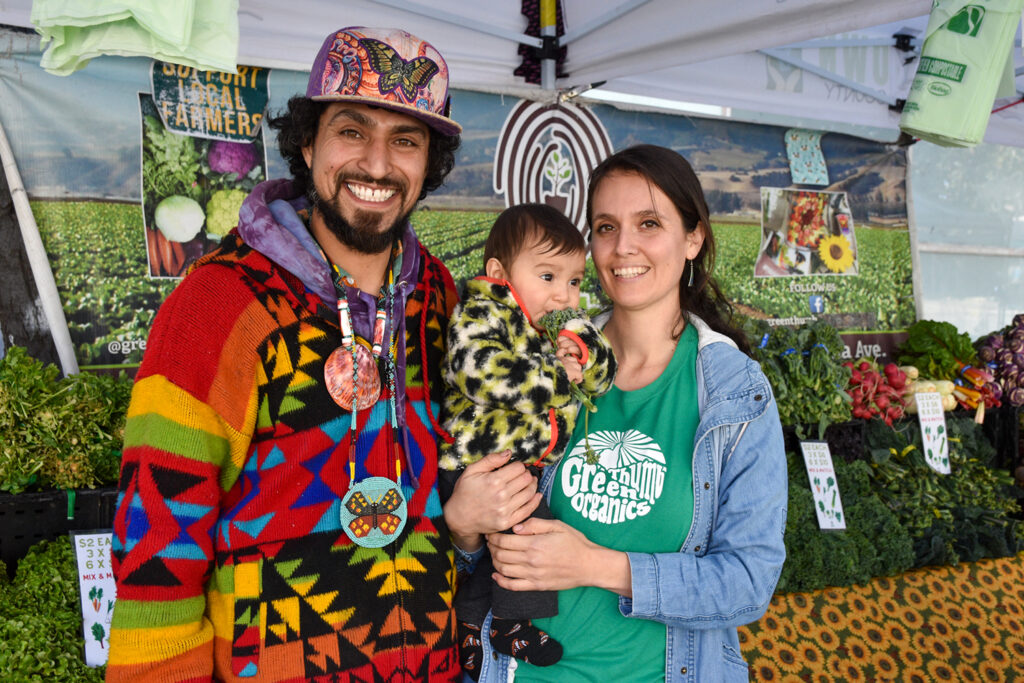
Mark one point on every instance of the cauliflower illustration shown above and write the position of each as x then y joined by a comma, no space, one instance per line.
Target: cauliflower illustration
232,157
179,218
222,211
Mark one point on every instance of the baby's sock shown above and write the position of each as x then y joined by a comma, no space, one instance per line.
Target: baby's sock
471,650
522,640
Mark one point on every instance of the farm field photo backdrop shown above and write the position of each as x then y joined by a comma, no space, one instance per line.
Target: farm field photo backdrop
91,202
99,262
882,292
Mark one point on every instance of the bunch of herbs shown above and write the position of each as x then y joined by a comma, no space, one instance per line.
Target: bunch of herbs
170,162
553,323
58,433
40,619
803,366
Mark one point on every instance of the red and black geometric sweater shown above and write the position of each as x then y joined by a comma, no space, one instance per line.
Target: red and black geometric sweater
229,554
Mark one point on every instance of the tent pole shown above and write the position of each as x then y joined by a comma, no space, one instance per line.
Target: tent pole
38,260
548,34
915,248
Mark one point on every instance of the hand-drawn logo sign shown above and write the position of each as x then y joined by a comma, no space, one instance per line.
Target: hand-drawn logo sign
545,154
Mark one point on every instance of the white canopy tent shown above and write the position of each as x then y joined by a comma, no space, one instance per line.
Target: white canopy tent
828,61
830,65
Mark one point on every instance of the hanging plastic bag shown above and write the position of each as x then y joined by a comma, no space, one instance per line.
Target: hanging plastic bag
202,34
962,63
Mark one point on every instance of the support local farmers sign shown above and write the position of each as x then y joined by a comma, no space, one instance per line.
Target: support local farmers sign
213,104
202,152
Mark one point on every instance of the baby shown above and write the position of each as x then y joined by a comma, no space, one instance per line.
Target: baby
508,387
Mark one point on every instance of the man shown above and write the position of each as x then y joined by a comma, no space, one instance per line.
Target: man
279,518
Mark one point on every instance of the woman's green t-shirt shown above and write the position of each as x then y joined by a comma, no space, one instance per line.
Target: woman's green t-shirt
638,498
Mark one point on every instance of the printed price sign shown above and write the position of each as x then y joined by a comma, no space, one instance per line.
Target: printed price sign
933,430
827,502
96,586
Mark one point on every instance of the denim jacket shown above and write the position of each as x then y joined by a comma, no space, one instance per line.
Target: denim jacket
725,573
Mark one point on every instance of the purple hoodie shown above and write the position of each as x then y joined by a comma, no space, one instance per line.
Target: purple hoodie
269,223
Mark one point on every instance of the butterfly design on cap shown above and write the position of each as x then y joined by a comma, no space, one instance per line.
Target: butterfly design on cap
395,72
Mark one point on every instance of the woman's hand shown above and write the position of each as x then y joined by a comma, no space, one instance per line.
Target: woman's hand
491,495
546,554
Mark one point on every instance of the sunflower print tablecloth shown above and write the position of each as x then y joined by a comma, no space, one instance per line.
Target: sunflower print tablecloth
963,623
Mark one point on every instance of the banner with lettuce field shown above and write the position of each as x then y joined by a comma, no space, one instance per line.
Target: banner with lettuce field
146,171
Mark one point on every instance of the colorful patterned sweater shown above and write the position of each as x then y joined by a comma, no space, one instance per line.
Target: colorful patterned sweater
504,387
230,559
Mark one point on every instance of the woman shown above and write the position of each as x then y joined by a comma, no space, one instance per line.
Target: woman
674,538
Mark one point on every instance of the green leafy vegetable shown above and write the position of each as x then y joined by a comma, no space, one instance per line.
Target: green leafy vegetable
802,365
966,515
553,323
58,433
179,218
874,542
41,621
170,162
937,349
99,633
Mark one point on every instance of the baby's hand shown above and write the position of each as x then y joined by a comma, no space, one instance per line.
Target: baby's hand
567,347
572,367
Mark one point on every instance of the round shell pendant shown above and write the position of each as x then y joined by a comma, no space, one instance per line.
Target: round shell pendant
340,383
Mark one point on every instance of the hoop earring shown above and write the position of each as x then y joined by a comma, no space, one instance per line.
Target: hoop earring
690,283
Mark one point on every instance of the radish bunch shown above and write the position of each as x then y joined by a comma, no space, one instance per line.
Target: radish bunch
876,393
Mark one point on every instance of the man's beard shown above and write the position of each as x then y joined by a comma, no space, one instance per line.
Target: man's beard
361,235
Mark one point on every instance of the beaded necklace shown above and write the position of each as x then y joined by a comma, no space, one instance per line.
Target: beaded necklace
373,511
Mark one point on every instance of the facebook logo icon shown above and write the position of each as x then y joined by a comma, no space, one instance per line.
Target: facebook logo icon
817,304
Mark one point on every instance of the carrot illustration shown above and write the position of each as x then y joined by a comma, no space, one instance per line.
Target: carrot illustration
178,252
166,255
154,252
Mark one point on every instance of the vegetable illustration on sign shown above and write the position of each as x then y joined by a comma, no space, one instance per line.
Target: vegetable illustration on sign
96,596
828,504
99,633
933,431
192,190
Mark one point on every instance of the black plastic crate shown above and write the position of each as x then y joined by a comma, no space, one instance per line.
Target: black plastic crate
28,518
845,439
1002,427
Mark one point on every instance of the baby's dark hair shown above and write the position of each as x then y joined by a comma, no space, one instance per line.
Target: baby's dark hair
524,225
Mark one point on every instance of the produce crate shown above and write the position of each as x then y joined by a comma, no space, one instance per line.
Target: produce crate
28,518
845,439
1002,427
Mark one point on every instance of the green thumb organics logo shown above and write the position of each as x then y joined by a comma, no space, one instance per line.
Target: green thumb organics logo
939,89
967,21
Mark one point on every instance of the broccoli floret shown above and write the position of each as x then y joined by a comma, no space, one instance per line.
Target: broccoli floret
222,211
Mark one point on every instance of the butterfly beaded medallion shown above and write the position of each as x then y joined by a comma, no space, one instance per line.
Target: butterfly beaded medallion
374,512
